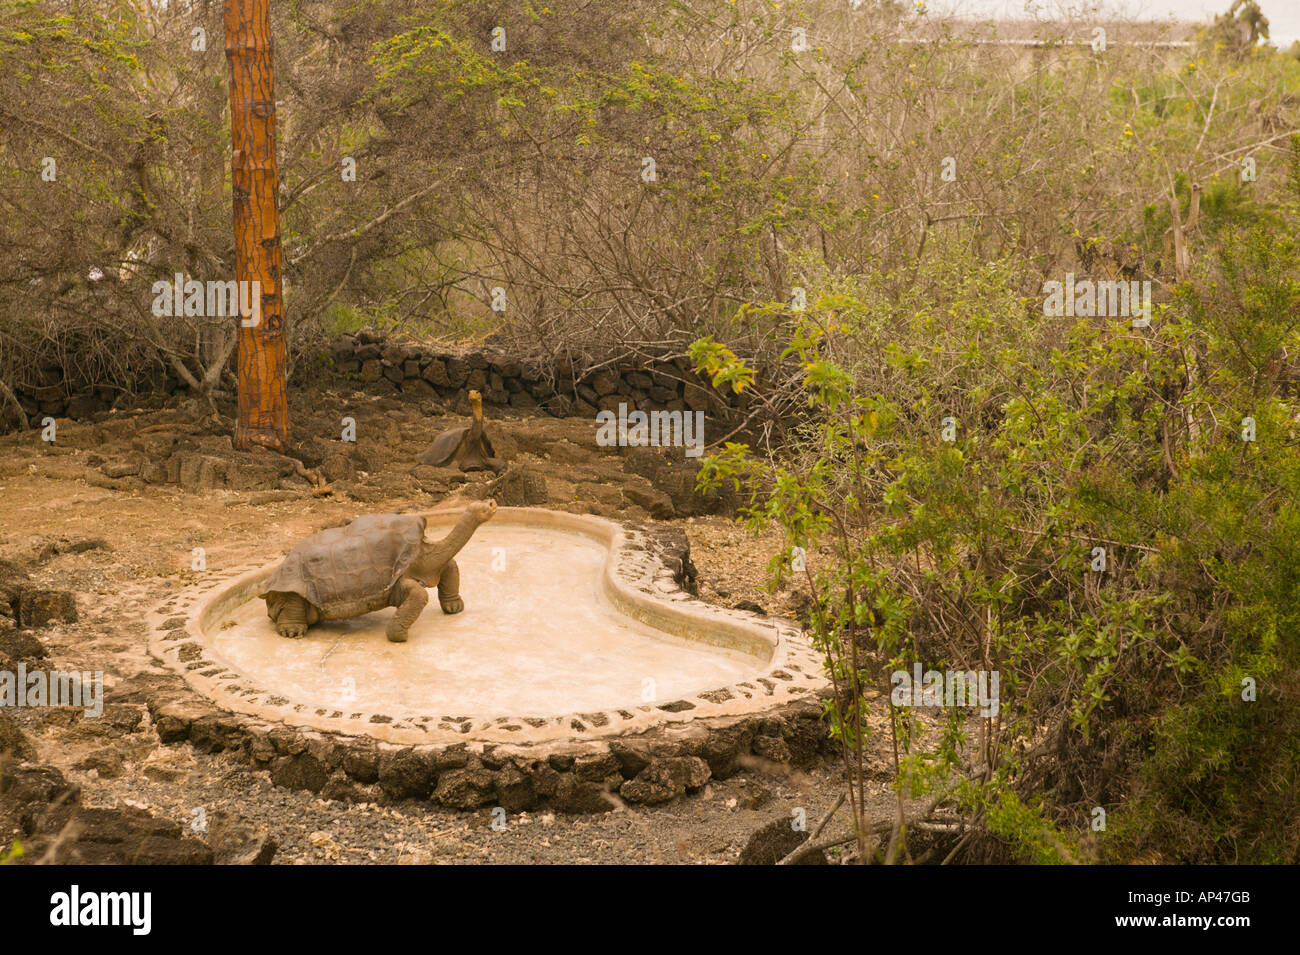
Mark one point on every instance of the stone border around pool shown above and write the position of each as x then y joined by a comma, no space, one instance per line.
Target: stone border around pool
580,762
636,579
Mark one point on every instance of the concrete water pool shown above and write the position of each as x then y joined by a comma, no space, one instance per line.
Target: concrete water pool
573,627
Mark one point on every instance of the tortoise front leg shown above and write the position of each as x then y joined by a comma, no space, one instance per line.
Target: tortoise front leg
292,615
411,598
449,589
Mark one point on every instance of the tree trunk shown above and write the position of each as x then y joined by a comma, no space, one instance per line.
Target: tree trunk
263,408
11,400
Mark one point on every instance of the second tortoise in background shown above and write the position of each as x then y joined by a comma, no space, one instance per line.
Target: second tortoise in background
467,448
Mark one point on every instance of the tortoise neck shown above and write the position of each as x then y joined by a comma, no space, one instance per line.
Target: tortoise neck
476,408
437,554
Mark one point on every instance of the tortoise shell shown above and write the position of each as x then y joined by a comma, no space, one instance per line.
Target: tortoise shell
344,571
442,452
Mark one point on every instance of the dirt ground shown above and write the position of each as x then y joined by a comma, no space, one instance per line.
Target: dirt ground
120,542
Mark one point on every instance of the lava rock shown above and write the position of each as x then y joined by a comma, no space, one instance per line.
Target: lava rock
632,756
773,748
39,608
659,504
215,732
514,790
674,552
28,790
338,466
13,577
806,736
286,741
236,841
342,787
107,762
436,373
596,767
303,771
60,829
518,487
120,469
168,766
467,788
125,837
406,775
14,743
428,474
18,647
173,720
755,796
666,778
722,748
453,757
73,545
773,842
647,462
362,764
120,718
577,796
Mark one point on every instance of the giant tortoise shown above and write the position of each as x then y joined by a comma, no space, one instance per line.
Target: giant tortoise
377,561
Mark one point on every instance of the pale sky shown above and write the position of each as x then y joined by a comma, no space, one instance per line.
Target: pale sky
1283,15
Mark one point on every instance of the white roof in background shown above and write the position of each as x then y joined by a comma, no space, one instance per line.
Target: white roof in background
1283,15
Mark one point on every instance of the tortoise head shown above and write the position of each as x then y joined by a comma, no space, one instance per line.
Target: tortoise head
476,409
427,567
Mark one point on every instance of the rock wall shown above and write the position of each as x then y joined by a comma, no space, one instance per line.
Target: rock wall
63,400
562,387
654,767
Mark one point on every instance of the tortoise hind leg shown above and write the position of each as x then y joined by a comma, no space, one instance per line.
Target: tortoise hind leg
411,598
291,613
449,589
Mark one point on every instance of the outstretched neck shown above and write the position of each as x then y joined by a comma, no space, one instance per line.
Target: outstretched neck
444,550
476,407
